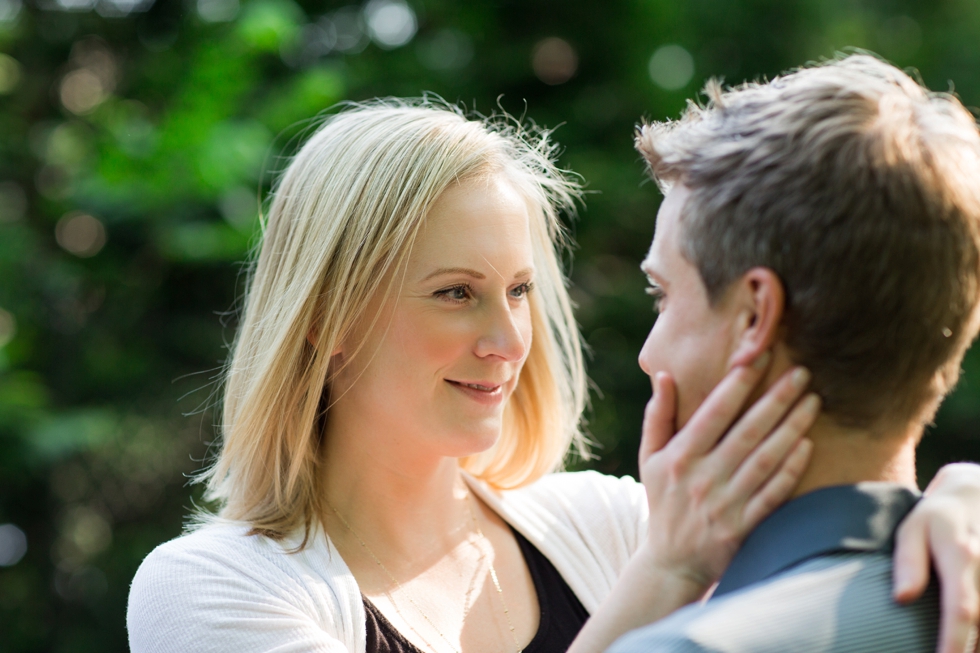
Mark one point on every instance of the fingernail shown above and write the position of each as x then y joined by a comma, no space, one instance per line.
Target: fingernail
800,378
803,447
811,404
900,582
762,361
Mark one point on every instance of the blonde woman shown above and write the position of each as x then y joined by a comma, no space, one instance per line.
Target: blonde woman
406,380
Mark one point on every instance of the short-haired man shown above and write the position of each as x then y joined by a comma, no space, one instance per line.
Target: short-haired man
831,216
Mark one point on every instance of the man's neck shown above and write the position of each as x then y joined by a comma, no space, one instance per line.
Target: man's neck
845,456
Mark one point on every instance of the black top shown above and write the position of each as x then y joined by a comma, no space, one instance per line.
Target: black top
562,614
837,519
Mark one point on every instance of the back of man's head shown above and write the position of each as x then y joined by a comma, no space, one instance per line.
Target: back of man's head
861,190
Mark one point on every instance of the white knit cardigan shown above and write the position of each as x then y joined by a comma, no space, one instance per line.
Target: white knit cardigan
218,589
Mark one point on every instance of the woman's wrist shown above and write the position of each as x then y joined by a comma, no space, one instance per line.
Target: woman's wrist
648,589
677,583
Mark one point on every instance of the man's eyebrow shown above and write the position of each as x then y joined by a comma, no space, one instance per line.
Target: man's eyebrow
651,273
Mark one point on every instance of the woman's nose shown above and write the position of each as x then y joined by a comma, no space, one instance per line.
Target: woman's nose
506,333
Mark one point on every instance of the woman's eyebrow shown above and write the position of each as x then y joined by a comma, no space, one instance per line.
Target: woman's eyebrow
472,273
467,271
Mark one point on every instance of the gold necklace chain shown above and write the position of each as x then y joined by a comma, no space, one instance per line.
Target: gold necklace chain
493,574
398,585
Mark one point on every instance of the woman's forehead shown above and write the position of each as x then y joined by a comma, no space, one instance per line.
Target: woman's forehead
479,224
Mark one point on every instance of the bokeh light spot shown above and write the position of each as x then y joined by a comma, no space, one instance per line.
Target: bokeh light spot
217,11
69,145
82,91
9,73
120,8
554,61
88,530
8,329
239,207
267,25
348,25
75,5
80,234
671,67
53,182
315,40
9,10
392,23
13,545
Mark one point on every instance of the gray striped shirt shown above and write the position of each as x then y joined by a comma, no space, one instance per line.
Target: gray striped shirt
814,578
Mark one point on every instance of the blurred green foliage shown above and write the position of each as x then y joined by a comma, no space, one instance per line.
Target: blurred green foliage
137,138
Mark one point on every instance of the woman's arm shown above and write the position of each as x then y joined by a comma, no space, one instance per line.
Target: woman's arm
946,523
712,494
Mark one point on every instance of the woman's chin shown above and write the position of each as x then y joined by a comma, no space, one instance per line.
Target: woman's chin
475,441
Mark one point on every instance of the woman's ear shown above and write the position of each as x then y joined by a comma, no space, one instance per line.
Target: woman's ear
760,303
312,336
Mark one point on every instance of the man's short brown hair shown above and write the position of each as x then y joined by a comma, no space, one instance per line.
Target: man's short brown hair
861,190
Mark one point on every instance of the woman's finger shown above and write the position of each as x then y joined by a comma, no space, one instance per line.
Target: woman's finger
763,462
946,522
761,420
779,488
658,418
911,570
716,413
960,603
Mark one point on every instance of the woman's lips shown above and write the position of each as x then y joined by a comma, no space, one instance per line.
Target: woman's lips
481,391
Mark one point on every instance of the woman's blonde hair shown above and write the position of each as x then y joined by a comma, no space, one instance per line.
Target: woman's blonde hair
340,228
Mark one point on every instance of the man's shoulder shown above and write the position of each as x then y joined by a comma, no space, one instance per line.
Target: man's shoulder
839,603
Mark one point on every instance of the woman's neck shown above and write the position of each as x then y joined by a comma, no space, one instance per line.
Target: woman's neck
398,501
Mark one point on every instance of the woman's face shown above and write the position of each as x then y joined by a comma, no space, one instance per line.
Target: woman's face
446,353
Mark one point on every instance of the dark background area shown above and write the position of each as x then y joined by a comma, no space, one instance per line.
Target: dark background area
136,138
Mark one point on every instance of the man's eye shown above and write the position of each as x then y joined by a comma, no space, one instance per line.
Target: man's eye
658,297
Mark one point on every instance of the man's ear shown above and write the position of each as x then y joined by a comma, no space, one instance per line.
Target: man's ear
760,303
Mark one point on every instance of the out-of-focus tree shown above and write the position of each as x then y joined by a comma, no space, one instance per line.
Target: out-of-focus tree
137,140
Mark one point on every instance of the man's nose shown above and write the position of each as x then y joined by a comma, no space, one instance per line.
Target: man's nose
644,357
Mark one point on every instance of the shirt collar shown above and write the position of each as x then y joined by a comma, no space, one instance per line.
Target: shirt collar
860,517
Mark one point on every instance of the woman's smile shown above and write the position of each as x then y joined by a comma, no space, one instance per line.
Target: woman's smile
483,392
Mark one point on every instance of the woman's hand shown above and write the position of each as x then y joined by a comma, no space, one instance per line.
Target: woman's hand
712,482
946,523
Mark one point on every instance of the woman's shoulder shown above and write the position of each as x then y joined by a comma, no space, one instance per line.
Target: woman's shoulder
580,502
219,578
586,523
585,490
205,551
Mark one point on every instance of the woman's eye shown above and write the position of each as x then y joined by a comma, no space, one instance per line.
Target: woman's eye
522,290
457,294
